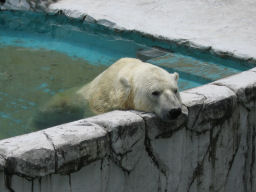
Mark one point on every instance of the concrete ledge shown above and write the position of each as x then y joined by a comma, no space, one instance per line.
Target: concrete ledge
209,104
215,117
211,147
31,154
76,144
67,148
253,69
127,132
243,84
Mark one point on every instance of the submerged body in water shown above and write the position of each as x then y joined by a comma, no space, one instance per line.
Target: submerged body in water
29,78
128,84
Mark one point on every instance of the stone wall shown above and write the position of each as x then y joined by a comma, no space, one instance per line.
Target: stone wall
211,147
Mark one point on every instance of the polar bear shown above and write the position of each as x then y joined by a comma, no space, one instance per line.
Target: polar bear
127,84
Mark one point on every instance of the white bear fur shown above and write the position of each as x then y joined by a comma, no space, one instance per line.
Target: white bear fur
129,84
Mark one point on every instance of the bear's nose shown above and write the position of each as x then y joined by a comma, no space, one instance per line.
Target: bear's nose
174,113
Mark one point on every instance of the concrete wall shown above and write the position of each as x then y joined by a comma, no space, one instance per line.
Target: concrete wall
211,147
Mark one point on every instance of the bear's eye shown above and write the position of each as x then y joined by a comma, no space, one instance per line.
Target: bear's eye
175,91
156,93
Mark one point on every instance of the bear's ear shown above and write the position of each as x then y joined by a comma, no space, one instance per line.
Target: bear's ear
176,76
124,82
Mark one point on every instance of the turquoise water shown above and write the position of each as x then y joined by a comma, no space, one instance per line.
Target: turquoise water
41,55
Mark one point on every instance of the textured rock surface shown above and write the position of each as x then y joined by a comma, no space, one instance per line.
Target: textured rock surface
211,147
243,85
127,132
30,154
76,145
223,25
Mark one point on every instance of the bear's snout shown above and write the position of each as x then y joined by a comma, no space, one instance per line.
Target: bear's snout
174,113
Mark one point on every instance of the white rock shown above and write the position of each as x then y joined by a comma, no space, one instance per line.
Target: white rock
31,154
219,103
224,25
127,134
243,84
253,69
77,144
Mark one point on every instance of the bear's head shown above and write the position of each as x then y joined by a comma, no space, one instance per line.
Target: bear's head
156,90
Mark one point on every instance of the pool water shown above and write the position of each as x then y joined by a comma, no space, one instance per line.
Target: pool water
41,55
29,77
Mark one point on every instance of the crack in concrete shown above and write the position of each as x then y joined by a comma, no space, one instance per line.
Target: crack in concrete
252,157
237,97
113,155
196,93
156,161
159,188
251,150
199,168
70,182
233,91
152,156
223,85
121,155
213,145
232,161
198,132
249,155
244,106
136,142
2,156
230,167
169,133
118,157
55,151
158,164
197,116
199,111
198,171
246,155
8,180
215,121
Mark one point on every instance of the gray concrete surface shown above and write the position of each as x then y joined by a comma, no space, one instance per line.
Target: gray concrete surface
210,148
226,25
